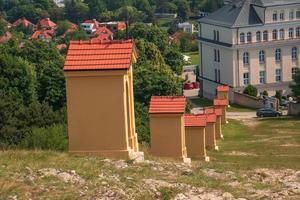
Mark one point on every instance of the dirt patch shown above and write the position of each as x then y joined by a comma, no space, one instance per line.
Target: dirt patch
239,153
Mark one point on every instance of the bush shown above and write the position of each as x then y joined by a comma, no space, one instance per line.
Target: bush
265,93
50,138
251,91
142,122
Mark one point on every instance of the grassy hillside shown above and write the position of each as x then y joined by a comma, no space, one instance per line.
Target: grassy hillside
257,159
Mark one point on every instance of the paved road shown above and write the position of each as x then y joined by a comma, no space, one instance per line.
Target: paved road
241,115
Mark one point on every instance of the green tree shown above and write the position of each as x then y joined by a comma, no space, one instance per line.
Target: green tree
76,10
152,80
142,122
97,7
183,9
150,33
17,76
148,51
63,26
296,85
250,90
174,59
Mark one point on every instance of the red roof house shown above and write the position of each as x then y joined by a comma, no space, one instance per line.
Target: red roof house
22,21
211,118
5,37
217,111
194,120
46,24
92,21
167,104
42,35
99,55
223,88
221,102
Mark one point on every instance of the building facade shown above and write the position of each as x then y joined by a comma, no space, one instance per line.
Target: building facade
253,42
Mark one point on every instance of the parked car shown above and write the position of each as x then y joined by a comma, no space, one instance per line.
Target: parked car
284,103
268,112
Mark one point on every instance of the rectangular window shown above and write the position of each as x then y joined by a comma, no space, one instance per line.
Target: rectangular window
262,77
291,15
298,14
217,75
218,55
274,16
246,78
282,16
278,75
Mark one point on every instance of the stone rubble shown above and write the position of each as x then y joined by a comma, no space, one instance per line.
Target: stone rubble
67,177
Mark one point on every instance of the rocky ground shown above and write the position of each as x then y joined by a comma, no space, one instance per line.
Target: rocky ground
258,159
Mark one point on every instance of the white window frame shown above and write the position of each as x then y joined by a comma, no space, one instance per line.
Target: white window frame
246,78
262,77
278,75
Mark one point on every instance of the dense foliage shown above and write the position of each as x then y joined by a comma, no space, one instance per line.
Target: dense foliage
296,85
251,91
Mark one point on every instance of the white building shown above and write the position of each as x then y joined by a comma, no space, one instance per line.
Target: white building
253,42
186,27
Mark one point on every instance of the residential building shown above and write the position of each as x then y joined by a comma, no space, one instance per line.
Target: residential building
253,42
90,26
186,27
24,22
115,26
5,37
46,23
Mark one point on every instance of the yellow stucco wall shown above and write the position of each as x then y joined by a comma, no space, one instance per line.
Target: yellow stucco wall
101,113
195,142
168,135
210,137
219,128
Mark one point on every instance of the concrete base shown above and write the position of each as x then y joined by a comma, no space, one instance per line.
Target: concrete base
116,154
187,160
216,148
137,157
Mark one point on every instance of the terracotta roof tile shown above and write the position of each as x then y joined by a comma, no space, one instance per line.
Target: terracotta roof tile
5,37
223,88
211,118
40,35
167,104
99,55
194,120
22,21
47,23
221,102
217,111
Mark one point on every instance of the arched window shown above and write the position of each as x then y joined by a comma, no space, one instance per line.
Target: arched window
281,16
242,37
281,34
262,57
265,36
275,17
275,34
246,58
258,36
278,55
294,53
291,33
298,32
249,37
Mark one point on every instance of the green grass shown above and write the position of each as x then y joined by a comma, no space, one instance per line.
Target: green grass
194,57
238,108
165,22
268,143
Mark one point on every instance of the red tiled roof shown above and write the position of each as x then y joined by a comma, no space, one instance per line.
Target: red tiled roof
167,104
5,37
103,30
47,23
217,111
121,26
223,88
211,118
221,102
37,34
22,21
99,55
194,120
